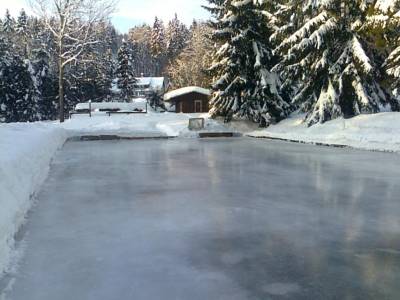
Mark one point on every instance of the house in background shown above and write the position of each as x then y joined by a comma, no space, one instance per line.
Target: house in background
190,99
145,86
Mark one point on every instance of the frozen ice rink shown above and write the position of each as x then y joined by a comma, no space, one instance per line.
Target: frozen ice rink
224,219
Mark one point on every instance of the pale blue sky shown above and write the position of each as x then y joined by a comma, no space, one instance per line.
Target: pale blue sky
133,12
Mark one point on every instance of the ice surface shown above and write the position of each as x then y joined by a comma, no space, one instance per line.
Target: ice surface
222,219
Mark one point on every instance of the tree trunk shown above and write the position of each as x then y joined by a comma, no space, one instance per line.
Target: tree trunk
61,89
61,76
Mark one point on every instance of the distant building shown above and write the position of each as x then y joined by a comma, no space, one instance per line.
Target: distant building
144,86
190,99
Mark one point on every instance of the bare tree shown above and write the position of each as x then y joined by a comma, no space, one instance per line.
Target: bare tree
72,23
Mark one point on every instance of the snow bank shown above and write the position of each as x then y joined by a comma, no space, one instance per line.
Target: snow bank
379,132
25,154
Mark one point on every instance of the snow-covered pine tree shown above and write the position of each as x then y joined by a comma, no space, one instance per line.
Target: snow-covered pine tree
125,72
158,45
17,95
177,37
244,85
46,84
8,25
286,19
22,33
19,101
158,42
5,62
106,74
332,59
387,19
27,94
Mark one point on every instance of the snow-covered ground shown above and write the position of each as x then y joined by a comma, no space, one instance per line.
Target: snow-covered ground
25,154
379,132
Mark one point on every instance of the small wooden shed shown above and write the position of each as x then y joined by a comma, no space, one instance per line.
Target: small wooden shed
190,99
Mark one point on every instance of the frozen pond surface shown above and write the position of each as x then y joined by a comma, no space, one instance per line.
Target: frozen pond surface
229,219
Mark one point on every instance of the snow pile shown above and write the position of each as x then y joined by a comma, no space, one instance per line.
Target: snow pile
26,150
379,132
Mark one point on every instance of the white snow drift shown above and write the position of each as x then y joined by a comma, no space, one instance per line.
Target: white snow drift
379,132
25,154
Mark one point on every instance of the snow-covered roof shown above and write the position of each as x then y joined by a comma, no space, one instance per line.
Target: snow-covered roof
156,83
186,90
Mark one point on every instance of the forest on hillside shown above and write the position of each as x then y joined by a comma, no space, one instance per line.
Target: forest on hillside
262,59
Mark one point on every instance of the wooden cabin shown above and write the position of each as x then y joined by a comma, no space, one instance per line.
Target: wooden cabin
189,99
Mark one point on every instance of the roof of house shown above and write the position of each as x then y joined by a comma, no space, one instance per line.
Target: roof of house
185,91
153,82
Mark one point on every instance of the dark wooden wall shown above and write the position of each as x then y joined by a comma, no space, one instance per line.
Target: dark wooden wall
188,102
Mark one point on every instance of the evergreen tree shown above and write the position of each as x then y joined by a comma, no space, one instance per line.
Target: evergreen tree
19,101
332,61
158,42
244,85
158,46
6,114
389,37
22,23
22,33
8,24
177,36
124,72
46,85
